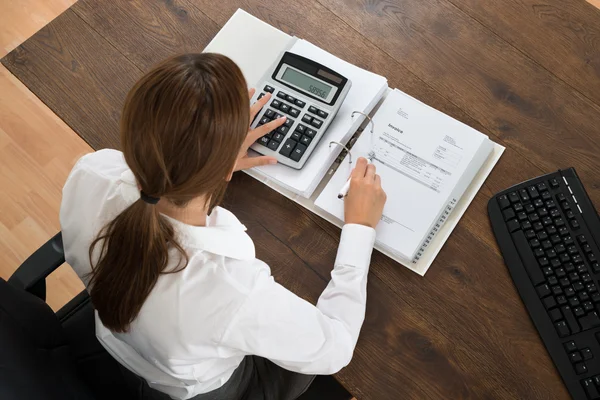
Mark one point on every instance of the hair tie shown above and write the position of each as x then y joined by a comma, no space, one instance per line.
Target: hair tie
148,199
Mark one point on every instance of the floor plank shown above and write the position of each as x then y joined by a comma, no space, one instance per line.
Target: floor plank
563,36
37,151
22,18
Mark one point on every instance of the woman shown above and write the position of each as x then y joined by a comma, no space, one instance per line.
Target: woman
180,298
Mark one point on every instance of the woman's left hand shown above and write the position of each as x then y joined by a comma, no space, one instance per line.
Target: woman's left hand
245,162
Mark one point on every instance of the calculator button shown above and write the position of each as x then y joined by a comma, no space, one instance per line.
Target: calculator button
322,114
264,120
296,136
298,152
277,116
261,96
281,95
294,112
278,137
263,140
305,140
300,128
288,147
306,118
283,130
300,103
284,107
316,123
276,104
290,98
273,145
312,109
269,113
311,132
289,122
269,89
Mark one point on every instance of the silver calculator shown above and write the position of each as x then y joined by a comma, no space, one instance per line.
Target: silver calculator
309,95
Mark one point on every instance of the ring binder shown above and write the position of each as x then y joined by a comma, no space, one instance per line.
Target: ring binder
367,117
344,146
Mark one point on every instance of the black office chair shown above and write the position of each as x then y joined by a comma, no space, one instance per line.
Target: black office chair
44,355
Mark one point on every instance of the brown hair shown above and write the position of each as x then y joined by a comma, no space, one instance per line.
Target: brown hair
182,128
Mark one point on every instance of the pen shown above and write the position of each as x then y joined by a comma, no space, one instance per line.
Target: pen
344,190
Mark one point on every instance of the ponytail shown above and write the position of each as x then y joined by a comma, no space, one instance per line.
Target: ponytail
134,251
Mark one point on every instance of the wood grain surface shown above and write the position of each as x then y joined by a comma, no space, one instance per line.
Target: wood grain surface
462,331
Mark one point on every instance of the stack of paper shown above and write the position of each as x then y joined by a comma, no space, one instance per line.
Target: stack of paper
426,161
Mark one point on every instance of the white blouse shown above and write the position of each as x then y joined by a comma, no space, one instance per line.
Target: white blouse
197,325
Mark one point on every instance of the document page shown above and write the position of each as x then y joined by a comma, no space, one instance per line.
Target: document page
420,154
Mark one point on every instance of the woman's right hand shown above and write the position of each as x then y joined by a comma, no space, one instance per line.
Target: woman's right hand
365,200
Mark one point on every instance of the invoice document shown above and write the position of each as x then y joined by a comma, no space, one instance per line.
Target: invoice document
426,161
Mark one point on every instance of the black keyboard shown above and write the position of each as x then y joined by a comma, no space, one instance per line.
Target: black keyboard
549,233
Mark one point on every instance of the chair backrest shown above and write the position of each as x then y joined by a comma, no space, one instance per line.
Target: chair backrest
34,354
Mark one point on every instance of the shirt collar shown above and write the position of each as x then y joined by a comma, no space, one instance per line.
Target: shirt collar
223,235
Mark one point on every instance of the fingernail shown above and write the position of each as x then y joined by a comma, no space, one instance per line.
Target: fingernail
282,118
272,161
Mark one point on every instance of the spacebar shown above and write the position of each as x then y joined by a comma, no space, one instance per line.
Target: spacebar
531,265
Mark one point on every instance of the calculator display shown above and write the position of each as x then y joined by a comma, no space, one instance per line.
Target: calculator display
307,83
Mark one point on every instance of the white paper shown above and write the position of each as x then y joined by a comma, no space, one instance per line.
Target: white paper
253,44
421,155
367,88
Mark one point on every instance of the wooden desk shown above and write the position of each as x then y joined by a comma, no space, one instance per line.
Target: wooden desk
527,74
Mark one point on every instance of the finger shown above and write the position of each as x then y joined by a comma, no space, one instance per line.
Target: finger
251,92
262,130
256,107
361,168
370,173
251,162
377,181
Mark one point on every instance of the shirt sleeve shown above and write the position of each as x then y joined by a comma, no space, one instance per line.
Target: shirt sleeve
276,324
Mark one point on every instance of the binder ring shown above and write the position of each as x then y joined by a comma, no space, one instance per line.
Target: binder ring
367,117
344,146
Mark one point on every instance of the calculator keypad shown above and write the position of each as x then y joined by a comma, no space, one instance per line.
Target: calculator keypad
296,142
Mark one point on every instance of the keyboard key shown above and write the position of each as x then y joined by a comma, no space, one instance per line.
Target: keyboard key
570,318
562,329
586,248
578,286
572,250
300,128
529,208
551,254
546,196
570,346
555,213
294,112
306,141
538,203
263,140
298,152
287,147
579,312
539,252
278,137
555,263
522,216
524,195
588,306
534,243
300,103
549,302
567,239
583,296
574,224
312,109
587,354
543,211
595,267
564,258
538,226
542,186
573,277
591,257
542,235
513,197
586,278
530,234
559,222
556,290
269,89
560,197
582,239
561,300
555,239
543,290
590,389
560,248
533,217
580,368
281,95
575,357
569,267
552,280
273,145
546,244
591,288
525,225
533,192
518,207
564,282
570,214
307,119
555,315
577,259
573,301
550,204
551,230
547,221
317,123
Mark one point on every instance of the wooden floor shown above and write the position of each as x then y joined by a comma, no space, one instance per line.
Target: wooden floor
37,151
525,73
